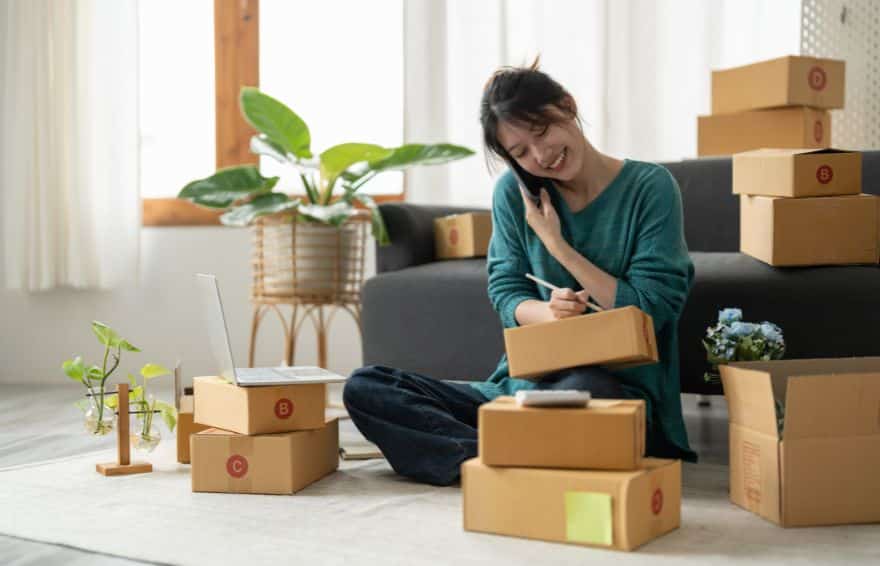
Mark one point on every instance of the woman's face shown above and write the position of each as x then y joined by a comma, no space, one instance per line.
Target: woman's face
555,151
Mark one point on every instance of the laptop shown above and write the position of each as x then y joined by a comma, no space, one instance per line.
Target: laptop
209,291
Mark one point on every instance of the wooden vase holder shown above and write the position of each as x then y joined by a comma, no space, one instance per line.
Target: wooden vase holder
123,465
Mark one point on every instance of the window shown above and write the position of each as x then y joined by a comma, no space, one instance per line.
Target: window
176,94
339,65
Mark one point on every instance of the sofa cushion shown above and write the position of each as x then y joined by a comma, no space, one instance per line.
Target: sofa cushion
434,319
823,311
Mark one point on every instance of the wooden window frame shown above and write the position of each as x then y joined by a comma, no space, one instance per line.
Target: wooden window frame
236,64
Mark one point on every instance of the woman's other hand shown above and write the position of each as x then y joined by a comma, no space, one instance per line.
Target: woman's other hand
566,302
543,220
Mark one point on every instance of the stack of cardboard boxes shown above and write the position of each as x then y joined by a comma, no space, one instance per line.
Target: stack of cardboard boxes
574,475
267,439
799,205
778,103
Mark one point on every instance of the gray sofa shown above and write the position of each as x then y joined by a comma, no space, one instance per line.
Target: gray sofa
434,317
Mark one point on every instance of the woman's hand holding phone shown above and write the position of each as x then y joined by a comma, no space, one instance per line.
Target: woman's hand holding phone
543,220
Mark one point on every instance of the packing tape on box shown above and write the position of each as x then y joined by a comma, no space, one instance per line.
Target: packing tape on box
238,464
589,518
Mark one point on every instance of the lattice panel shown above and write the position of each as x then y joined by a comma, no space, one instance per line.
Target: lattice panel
849,30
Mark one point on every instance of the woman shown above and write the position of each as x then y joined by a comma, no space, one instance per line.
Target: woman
605,229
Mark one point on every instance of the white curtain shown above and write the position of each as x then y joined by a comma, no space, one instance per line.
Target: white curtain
639,69
69,145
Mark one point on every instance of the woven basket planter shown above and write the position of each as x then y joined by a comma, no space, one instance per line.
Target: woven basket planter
308,262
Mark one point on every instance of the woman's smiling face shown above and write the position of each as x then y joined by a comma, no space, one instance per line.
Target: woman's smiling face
553,151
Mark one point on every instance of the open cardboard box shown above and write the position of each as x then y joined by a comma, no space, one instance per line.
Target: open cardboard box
609,434
785,81
795,127
811,231
821,467
611,509
462,235
797,172
615,338
258,409
282,463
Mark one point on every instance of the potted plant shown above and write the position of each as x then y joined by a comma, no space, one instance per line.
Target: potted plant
331,183
100,406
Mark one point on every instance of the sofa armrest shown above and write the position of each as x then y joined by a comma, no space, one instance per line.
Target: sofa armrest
411,231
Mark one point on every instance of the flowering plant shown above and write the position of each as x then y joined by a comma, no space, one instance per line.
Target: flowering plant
731,340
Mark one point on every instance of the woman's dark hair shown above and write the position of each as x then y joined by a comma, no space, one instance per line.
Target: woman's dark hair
522,95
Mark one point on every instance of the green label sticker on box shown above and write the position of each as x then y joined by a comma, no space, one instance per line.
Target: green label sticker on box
588,517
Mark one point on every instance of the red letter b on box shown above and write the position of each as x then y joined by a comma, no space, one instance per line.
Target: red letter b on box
283,408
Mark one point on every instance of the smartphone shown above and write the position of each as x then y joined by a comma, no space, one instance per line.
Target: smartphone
531,184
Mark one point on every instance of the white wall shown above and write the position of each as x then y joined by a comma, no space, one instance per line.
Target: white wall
161,315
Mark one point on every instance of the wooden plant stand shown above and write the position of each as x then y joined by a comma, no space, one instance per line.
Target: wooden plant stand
123,465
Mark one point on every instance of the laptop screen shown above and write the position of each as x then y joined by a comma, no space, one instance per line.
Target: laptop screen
215,322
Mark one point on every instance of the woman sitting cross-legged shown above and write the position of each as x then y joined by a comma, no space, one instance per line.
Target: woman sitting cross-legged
605,230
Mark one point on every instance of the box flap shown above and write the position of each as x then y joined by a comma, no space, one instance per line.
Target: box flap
832,405
749,393
787,152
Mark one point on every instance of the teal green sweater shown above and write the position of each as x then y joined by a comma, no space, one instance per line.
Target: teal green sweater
634,231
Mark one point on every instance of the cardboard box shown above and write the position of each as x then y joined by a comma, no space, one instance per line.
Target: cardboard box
186,427
797,127
810,231
786,81
616,337
259,409
282,463
797,172
462,235
611,509
821,469
606,435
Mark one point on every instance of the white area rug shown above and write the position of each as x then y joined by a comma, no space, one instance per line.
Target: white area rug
364,514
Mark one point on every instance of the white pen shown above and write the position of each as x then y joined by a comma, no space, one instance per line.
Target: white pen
553,287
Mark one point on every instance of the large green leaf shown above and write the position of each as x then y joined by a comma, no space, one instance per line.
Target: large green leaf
282,127
419,154
262,145
227,186
380,232
74,369
335,160
262,205
149,371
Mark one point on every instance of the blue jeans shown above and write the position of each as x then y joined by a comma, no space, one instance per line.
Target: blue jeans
426,427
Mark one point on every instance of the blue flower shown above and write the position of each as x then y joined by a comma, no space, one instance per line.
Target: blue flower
730,315
742,328
771,332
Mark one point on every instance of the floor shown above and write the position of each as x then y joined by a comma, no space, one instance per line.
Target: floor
37,424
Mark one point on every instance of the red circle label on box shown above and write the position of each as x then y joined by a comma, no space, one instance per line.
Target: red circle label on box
657,501
818,131
453,236
283,408
824,174
237,466
817,78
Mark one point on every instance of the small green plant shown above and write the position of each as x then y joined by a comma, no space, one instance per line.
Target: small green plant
285,137
100,411
146,407
99,417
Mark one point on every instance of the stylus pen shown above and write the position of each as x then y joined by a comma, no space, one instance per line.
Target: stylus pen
553,287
